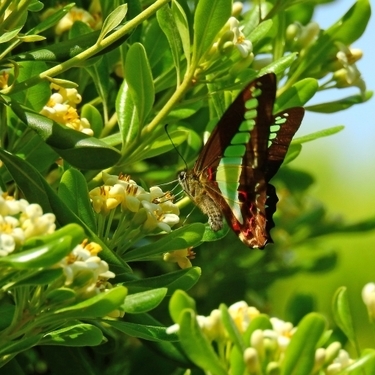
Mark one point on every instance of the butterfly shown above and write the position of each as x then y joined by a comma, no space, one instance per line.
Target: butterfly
247,147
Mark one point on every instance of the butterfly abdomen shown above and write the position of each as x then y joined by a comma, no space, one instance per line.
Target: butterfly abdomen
198,194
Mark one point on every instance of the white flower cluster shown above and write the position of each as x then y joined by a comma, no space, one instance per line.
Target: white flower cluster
84,270
20,221
61,108
158,208
268,344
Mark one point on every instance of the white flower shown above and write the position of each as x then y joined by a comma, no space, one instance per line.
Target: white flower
368,297
242,314
84,269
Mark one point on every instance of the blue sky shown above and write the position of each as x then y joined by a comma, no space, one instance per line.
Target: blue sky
348,157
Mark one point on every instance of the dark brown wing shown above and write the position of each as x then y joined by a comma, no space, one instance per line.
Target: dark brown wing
229,124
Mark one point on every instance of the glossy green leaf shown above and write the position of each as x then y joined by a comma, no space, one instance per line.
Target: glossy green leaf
363,365
43,256
167,24
78,149
156,45
139,78
352,25
127,115
211,236
20,345
297,95
342,314
260,31
94,117
74,231
74,192
231,328
317,135
112,21
181,279
180,238
279,66
7,310
300,353
163,144
179,302
142,302
340,105
166,348
182,25
210,17
37,96
43,277
9,35
196,345
95,307
61,296
76,335
146,332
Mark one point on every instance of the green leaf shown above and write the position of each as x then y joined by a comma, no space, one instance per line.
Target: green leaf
352,25
94,117
43,277
127,118
167,24
112,21
210,17
231,328
9,35
165,348
95,307
300,353
34,97
78,149
211,236
260,31
181,279
139,78
317,135
61,295
46,255
342,315
293,151
178,303
142,302
146,332
340,105
297,95
163,144
20,345
76,335
74,192
279,66
72,230
196,345
183,28
180,238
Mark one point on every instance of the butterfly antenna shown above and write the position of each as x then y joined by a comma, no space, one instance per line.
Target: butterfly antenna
174,146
